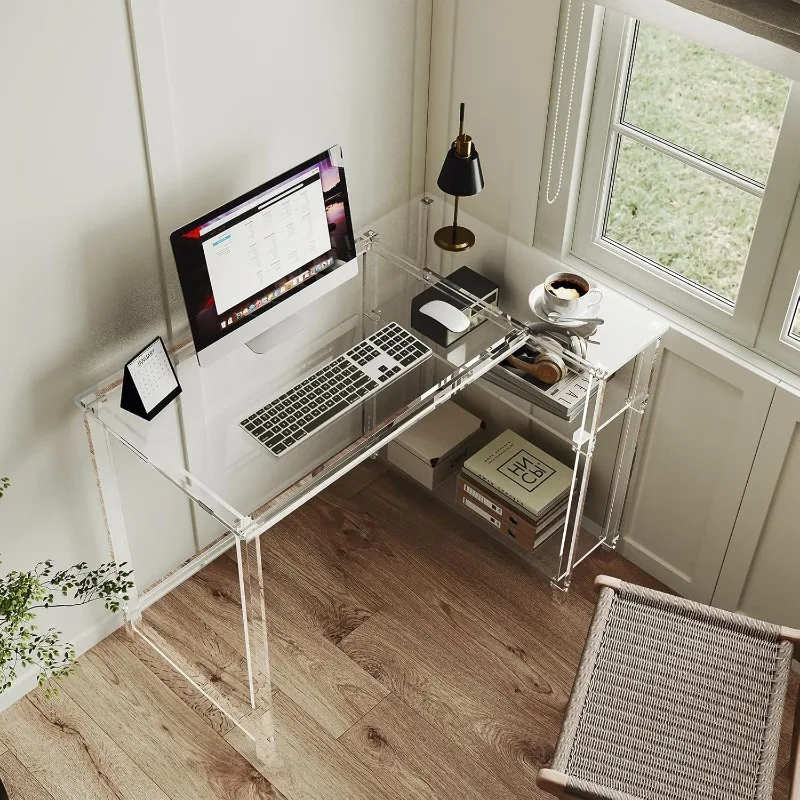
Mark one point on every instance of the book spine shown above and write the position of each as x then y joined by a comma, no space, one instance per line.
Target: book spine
498,505
543,537
554,527
488,481
520,531
484,484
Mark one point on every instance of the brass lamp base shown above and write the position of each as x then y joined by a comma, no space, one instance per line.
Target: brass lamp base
454,238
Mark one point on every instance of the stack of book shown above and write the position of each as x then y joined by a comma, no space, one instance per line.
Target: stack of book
565,399
518,489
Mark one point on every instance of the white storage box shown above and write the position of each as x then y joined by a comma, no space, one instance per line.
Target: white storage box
438,445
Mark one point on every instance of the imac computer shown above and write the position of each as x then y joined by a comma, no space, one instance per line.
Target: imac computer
259,259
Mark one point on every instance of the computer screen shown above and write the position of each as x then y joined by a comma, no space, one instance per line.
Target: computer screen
239,261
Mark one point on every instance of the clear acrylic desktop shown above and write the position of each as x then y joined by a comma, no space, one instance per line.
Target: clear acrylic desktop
190,490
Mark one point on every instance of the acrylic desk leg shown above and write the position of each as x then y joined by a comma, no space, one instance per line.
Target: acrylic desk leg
113,518
584,443
631,427
260,725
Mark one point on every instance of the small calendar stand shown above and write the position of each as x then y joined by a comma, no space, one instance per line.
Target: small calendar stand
149,383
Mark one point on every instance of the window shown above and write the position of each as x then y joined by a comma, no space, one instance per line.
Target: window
685,167
684,193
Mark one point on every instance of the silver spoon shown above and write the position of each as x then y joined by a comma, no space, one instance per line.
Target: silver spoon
551,317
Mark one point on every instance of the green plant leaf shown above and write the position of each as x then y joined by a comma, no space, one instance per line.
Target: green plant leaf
22,593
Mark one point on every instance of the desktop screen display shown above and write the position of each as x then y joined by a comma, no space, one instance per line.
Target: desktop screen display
244,258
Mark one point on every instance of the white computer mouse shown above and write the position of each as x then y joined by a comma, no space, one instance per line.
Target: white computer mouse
449,316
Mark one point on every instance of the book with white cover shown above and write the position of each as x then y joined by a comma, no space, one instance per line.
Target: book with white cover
527,475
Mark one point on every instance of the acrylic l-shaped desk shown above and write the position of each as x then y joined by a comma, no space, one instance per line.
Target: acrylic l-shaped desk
229,491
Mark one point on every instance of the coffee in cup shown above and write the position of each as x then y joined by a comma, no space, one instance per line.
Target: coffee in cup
567,293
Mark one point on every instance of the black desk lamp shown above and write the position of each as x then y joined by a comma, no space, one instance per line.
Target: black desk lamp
461,176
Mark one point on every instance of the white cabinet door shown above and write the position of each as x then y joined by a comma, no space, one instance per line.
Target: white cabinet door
706,416
762,568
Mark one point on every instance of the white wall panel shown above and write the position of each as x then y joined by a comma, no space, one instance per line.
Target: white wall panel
760,573
79,279
703,428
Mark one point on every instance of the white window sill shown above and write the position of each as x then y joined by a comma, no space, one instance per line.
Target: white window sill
747,356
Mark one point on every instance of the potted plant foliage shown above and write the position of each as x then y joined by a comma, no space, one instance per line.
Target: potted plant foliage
22,594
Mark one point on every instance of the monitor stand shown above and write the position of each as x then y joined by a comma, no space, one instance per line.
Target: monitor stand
277,335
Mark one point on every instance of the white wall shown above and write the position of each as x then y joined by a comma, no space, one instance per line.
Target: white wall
233,98
498,59
229,98
79,280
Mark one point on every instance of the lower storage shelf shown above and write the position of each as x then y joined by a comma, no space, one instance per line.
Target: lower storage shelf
546,558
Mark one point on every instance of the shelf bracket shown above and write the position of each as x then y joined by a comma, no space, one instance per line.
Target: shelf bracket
367,240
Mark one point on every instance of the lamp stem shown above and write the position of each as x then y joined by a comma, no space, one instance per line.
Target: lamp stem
460,133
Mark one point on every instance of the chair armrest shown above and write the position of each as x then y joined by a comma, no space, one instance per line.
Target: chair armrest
553,782
602,581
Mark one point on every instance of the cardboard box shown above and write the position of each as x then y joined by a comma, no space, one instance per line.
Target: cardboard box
438,445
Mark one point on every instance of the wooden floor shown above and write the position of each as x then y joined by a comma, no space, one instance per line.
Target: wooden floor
412,658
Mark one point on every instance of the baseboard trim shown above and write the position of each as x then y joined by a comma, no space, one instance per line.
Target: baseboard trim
590,526
26,682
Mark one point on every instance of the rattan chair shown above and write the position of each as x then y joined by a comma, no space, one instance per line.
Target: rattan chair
674,700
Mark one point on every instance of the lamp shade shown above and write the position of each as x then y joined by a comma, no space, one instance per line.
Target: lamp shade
461,177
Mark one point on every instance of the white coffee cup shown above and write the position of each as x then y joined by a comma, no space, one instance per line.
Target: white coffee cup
567,293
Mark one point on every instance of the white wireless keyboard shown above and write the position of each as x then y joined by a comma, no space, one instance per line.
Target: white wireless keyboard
336,388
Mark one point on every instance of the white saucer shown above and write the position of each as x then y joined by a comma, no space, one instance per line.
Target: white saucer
536,303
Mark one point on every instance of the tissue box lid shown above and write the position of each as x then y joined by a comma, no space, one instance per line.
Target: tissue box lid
440,432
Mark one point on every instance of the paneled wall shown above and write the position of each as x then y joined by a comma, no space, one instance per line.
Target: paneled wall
80,282
704,425
759,576
123,121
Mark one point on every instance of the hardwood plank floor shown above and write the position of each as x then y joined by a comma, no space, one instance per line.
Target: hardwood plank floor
310,763
424,588
69,754
177,749
412,657
18,781
199,703
407,753
434,682
305,665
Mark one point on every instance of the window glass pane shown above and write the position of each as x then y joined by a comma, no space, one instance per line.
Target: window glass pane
710,103
681,218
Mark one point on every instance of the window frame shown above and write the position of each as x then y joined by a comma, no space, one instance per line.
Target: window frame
773,339
569,225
